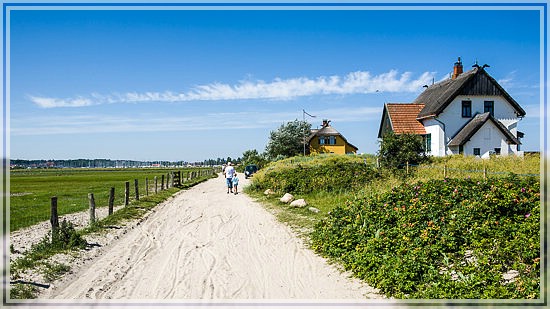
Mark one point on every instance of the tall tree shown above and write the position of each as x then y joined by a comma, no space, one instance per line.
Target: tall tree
288,140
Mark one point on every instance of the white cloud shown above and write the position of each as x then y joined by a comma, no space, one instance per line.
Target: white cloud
54,102
279,89
508,80
102,123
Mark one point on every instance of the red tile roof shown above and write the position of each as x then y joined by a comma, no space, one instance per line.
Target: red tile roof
403,117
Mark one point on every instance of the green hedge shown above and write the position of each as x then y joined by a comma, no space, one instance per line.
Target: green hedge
323,173
451,238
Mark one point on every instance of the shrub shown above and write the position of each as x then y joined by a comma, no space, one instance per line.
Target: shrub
66,237
451,238
396,150
309,174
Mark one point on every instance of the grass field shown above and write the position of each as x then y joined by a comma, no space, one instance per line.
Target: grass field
31,190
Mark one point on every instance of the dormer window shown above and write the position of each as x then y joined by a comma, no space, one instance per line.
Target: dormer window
489,107
467,109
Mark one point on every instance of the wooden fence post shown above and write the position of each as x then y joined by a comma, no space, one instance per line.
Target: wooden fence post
156,185
111,200
136,186
485,172
92,208
162,182
54,219
127,193
407,166
172,182
146,186
167,181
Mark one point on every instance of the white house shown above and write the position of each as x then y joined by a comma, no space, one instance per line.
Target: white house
469,114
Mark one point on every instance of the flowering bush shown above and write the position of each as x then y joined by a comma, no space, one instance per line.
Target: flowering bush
451,238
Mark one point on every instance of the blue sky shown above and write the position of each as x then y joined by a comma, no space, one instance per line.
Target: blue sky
197,84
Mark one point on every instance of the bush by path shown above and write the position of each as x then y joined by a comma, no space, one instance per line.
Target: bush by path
451,238
312,174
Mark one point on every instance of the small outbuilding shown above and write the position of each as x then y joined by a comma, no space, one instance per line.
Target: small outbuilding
329,140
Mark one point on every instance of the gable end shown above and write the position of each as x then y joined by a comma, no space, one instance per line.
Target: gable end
474,82
484,84
471,127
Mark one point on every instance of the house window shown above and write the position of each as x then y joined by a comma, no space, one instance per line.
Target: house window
497,151
467,109
327,140
477,151
489,107
460,149
428,142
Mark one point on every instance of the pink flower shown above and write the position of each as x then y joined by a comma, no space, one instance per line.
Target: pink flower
523,190
527,215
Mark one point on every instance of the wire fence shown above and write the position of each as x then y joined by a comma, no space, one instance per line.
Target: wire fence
471,169
447,171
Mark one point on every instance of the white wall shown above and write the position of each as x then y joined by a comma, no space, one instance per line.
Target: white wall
438,143
487,138
452,115
453,120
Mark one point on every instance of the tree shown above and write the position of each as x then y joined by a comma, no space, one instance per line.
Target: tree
253,157
398,149
288,140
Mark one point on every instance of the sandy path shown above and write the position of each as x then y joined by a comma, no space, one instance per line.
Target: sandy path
206,244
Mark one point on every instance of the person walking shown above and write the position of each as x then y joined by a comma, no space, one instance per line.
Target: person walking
235,181
229,173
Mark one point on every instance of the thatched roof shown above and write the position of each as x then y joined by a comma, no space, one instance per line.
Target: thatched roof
474,82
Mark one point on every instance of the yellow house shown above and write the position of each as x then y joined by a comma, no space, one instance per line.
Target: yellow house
328,140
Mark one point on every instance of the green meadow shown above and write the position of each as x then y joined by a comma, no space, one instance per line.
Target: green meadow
31,190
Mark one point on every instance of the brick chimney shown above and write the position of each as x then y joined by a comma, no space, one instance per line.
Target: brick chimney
457,70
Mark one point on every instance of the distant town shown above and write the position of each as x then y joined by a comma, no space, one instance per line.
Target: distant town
108,163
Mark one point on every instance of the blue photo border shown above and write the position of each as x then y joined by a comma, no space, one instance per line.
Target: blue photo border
541,6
